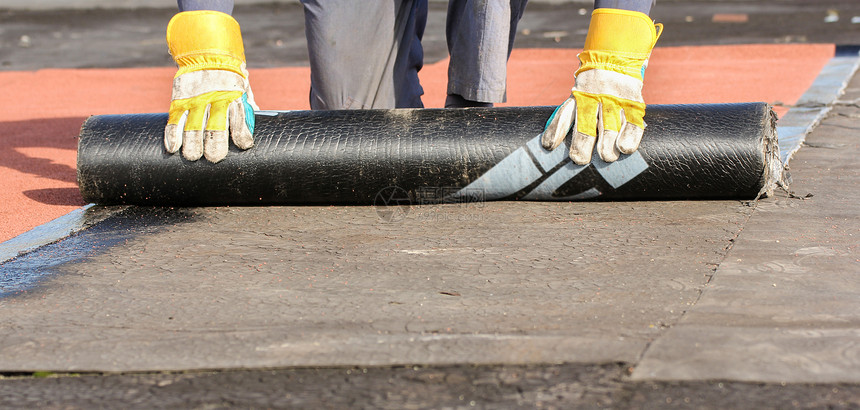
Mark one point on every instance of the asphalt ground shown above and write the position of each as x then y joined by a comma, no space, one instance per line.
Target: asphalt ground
705,304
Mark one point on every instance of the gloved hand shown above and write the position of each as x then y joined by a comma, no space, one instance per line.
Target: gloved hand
606,105
210,89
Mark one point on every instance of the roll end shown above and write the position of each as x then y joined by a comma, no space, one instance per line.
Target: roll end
775,172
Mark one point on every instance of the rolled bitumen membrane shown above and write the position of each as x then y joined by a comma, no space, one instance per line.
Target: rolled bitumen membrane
418,156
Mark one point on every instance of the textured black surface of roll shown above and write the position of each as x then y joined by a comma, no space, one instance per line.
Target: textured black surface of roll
425,156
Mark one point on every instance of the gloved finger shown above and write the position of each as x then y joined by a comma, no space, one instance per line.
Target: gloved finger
241,118
559,124
608,125
630,136
581,148
192,137
582,144
215,140
215,145
173,132
192,144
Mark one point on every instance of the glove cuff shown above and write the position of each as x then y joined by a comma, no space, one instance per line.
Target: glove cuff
206,40
620,41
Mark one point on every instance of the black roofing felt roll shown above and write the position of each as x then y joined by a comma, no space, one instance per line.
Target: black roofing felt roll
428,156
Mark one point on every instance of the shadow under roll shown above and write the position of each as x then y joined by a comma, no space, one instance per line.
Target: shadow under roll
431,156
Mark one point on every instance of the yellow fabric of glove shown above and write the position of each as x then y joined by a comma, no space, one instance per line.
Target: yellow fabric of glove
606,105
211,91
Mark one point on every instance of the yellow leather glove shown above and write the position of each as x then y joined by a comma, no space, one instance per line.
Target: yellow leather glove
606,106
210,89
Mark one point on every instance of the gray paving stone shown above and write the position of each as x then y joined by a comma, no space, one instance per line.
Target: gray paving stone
785,304
301,286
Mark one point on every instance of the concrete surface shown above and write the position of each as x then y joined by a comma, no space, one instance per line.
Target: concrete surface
706,304
323,286
784,304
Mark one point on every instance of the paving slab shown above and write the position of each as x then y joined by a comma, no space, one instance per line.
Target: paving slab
784,305
214,288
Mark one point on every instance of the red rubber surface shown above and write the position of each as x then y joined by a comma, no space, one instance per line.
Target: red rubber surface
43,110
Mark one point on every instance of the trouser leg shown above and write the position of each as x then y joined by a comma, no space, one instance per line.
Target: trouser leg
365,54
642,6
480,37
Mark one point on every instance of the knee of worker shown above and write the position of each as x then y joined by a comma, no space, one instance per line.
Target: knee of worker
478,90
477,80
481,78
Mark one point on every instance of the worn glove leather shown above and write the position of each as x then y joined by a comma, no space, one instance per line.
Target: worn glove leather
210,89
606,105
